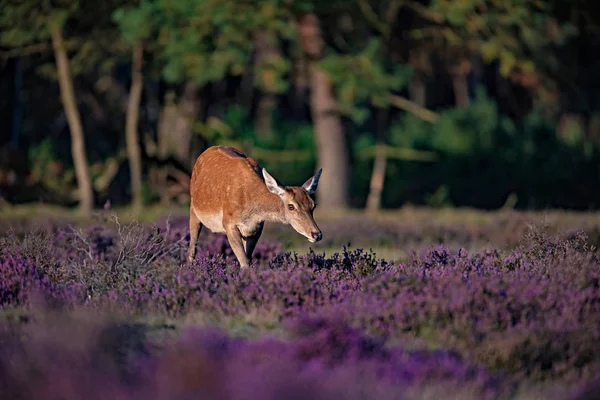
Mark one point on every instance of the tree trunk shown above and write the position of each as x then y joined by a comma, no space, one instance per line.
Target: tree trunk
460,86
329,133
131,127
175,134
300,79
377,178
67,94
267,102
379,165
263,122
177,125
417,91
18,105
419,60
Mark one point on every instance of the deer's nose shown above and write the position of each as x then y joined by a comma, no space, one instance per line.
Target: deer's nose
316,235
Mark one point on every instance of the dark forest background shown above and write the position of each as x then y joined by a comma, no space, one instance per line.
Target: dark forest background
484,104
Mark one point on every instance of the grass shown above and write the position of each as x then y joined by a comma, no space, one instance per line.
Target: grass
409,215
406,213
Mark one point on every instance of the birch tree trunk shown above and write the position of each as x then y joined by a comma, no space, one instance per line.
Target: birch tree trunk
377,178
379,165
67,95
131,128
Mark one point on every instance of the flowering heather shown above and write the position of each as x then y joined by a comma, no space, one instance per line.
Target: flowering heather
469,325
72,358
407,230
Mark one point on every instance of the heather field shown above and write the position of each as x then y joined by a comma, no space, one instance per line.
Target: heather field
449,305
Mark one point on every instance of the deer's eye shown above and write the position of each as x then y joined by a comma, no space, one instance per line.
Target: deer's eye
291,207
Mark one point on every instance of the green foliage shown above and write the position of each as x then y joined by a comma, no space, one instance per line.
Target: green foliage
363,77
136,23
440,198
205,41
485,160
40,156
23,22
288,151
236,128
271,72
233,128
515,32
459,131
89,36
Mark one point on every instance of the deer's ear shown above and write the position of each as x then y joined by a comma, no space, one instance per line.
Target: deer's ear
311,185
272,184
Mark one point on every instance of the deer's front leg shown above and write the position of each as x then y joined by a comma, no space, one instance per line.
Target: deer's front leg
237,245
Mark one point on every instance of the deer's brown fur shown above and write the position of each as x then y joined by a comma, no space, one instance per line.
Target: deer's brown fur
232,194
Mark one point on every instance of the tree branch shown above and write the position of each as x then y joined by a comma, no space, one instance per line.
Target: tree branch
413,108
384,27
371,15
426,13
398,153
35,49
390,15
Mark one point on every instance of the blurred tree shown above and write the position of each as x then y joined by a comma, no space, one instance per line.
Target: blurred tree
205,42
215,71
329,132
267,57
200,45
27,22
131,126
366,74
137,22
577,72
133,23
512,33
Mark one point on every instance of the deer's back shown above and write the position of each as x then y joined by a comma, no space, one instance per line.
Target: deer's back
222,179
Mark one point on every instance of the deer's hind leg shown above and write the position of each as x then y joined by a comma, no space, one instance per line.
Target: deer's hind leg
251,241
195,228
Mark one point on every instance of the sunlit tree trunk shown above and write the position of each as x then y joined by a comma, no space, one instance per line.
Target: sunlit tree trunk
131,128
67,94
329,133
377,178
379,165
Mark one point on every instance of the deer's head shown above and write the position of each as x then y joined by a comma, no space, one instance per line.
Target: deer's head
298,206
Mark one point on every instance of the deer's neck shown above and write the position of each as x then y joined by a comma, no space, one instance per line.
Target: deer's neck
271,209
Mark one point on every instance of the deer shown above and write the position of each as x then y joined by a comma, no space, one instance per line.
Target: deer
232,194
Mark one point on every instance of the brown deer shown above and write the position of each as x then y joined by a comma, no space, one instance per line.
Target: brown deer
234,195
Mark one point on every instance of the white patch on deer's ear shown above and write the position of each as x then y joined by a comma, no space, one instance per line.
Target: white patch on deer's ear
311,185
272,184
